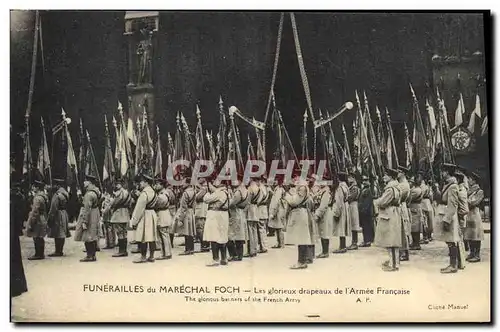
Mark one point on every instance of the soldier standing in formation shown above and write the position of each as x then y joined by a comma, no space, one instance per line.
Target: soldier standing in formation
278,210
165,219
366,216
447,226
87,227
474,232
184,223
120,216
36,226
389,226
217,222
462,211
298,231
427,210
109,232
262,204
404,188
144,220
323,217
352,199
58,219
341,222
253,218
200,213
416,215
237,221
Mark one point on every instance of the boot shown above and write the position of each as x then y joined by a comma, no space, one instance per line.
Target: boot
404,256
239,250
476,248
415,239
215,254
223,254
279,243
188,246
467,245
59,244
342,249
325,244
152,249
171,239
354,244
143,249
311,253
91,248
302,257
231,248
122,249
453,267
39,244
205,246
392,265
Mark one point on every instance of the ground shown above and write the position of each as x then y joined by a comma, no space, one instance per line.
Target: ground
58,288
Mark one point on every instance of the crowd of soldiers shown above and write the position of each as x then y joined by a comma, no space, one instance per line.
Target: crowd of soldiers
233,219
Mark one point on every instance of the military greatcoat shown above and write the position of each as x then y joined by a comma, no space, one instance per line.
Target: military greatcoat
237,214
415,207
217,223
165,218
120,206
89,215
474,224
427,207
298,230
58,216
37,218
184,223
352,199
446,212
278,209
388,228
340,209
323,215
144,217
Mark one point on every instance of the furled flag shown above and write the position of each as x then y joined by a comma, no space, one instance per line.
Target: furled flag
460,111
419,138
430,112
408,148
27,153
131,132
159,159
43,164
475,113
108,167
484,126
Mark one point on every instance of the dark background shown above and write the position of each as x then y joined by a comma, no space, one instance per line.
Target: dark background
202,55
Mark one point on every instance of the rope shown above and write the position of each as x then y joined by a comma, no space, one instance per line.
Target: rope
301,66
275,70
33,64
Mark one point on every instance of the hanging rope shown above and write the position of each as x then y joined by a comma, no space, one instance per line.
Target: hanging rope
33,64
303,75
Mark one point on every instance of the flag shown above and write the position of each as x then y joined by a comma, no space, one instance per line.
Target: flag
374,147
380,133
484,126
159,160
430,112
91,165
419,137
200,141
443,110
43,164
131,132
475,113
138,150
108,168
392,155
460,111
408,148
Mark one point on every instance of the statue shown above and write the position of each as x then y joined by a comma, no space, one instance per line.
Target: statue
144,55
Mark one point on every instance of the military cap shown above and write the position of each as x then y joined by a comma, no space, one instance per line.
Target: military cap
59,182
451,168
90,177
342,176
38,183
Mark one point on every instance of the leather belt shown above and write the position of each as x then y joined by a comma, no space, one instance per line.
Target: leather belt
164,209
223,210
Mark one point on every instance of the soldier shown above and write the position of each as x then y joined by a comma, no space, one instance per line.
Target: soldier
165,219
237,220
120,216
58,217
323,217
404,188
278,210
340,209
447,227
427,210
298,231
36,226
217,224
416,215
200,213
87,227
389,226
18,283
262,204
474,232
253,218
144,219
462,211
366,217
184,223
352,199
109,232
